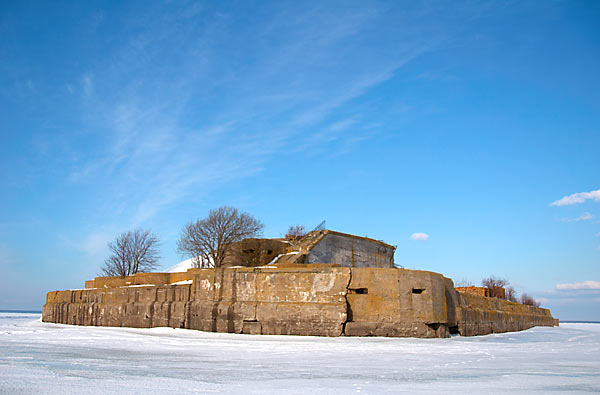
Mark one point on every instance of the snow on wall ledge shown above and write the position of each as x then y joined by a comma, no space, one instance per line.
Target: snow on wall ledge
318,300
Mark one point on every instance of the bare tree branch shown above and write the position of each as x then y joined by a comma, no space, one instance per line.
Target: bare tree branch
207,241
494,282
511,294
132,252
295,233
528,300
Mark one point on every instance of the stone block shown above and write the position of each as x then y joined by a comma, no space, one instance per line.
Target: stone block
178,314
161,314
251,328
151,278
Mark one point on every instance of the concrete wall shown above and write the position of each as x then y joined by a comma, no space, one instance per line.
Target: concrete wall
398,302
255,252
140,279
321,300
479,315
495,292
310,300
351,251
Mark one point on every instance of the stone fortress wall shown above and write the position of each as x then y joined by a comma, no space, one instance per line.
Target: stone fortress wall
300,299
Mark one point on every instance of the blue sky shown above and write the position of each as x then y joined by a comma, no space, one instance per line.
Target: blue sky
463,121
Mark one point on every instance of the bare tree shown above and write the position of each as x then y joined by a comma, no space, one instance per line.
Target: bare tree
494,282
528,300
208,241
295,232
132,252
511,294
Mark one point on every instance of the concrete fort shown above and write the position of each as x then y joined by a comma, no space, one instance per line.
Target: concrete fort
320,300
295,296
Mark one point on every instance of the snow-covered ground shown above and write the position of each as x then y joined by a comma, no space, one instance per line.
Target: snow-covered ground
36,357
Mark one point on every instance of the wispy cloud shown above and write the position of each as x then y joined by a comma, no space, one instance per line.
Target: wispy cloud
356,88
182,106
583,217
583,293
95,243
419,236
577,198
342,125
87,84
163,139
582,285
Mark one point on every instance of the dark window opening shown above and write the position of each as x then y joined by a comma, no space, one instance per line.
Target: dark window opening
360,291
418,291
269,251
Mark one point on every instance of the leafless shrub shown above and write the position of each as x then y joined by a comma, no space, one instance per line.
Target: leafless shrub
528,300
295,232
511,294
494,282
132,252
207,241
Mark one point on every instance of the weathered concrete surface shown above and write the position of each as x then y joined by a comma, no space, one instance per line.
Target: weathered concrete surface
494,292
302,301
327,246
310,300
351,251
142,279
321,300
255,252
396,302
481,291
477,315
